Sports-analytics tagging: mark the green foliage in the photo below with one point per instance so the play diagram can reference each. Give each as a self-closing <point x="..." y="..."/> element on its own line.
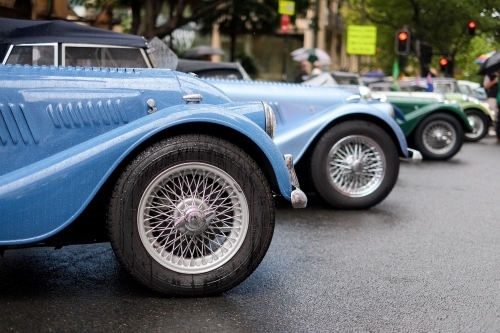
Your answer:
<point x="465" y="59"/>
<point x="250" y="16"/>
<point x="441" y="24"/>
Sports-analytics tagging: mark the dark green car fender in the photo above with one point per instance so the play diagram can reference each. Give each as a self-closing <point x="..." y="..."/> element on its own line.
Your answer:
<point x="414" y="118"/>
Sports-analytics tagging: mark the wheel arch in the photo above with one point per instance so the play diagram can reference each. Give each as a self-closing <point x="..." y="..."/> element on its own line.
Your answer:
<point x="350" y="117"/>
<point x="465" y="125"/>
<point x="217" y="130"/>
<point x="90" y="225"/>
<point x="480" y="110"/>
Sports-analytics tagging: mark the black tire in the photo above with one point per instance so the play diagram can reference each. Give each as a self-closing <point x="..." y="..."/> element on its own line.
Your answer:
<point x="375" y="171"/>
<point x="191" y="198"/>
<point x="438" y="136"/>
<point x="480" y="124"/>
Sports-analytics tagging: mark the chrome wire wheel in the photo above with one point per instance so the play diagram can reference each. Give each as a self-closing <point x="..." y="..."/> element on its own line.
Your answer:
<point x="356" y="165"/>
<point x="193" y="218"/>
<point x="477" y="124"/>
<point x="439" y="137"/>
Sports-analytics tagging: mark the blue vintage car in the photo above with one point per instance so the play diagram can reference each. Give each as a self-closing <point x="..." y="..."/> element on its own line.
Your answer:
<point x="178" y="178"/>
<point x="348" y="151"/>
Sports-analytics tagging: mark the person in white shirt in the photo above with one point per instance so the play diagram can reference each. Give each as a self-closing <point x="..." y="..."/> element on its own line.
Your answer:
<point x="318" y="68"/>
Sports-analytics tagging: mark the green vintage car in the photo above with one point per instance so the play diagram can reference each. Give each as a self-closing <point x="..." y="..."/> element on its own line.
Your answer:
<point x="478" y="113"/>
<point x="435" y="128"/>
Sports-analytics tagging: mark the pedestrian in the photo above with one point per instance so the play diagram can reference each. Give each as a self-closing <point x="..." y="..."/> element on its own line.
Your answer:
<point x="490" y="84"/>
<point x="317" y="68"/>
<point x="304" y="69"/>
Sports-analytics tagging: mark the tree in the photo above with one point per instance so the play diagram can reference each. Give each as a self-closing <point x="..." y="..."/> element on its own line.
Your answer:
<point x="235" y="17"/>
<point x="440" y="24"/>
<point x="250" y="16"/>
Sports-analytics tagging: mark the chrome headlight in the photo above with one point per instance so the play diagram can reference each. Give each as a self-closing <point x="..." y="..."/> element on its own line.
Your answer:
<point x="473" y="100"/>
<point x="270" y="120"/>
<point x="391" y="111"/>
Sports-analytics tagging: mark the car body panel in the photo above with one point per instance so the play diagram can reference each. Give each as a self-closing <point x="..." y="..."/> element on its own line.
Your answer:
<point x="447" y="88"/>
<point x="302" y="112"/>
<point x="61" y="150"/>
<point x="416" y="106"/>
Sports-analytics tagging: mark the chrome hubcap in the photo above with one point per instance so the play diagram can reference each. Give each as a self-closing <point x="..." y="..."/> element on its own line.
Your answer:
<point x="356" y="165"/>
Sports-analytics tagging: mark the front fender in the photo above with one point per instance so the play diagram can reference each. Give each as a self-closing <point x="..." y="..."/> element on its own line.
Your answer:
<point x="295" y="138"/>
<point x="414" y="118"/>
<point x="471" y="105"/>
<point x="39" y="200"/>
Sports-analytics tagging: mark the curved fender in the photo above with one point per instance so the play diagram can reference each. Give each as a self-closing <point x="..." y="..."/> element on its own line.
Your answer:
<point x="41" y="199"/>
<point x="296" y="138"/>
<point x="472" y="105"/>
<point x="414" y="118"/>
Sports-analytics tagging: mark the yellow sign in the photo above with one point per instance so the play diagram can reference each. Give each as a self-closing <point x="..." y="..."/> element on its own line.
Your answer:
<point x="361" y="39"/>
<point x="286" y="8"/>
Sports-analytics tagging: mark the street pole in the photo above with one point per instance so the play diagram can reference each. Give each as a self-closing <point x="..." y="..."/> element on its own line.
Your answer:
<point x="284" y="76"/>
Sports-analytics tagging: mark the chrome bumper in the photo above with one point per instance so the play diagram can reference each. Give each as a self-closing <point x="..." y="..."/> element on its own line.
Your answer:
<point x="299" y="198"/>
<point x="414" y="156"/>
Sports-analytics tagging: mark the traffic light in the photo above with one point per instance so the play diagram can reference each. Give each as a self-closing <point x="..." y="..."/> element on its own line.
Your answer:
<point x="472" y="28"/>
<point x="402" y="42"/>
<point x="443" y="63"/>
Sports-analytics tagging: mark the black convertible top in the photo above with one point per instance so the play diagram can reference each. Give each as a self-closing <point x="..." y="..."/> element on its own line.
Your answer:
<point x="14" y="31"/>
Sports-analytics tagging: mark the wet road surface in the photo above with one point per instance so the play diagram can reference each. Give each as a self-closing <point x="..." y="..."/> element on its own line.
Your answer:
<point x="424" y="260"/>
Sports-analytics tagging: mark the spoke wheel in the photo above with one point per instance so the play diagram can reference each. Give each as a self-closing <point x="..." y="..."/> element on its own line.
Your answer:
<point x="479" y="123"/>
<point x="191" y="216"/>
<point x="439" y="136"/>
<point x="192" y="219"/>
<point x="354" y="165"/>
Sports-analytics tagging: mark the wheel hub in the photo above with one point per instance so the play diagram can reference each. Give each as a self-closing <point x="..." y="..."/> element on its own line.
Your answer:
<point x="193" y="217"/>
<point x="355" y="165"/>
<point x="440" y="137"/>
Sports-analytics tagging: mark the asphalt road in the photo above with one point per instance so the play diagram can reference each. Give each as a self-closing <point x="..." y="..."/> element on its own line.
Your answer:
<point x="425" y="260"/>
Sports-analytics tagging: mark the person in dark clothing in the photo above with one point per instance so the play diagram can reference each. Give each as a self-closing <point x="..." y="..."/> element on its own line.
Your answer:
<point x="490" y="84"/>
<point x="304" y="70"/>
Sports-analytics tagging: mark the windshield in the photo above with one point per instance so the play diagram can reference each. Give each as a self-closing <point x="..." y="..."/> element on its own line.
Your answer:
<point x="160" y="54"/>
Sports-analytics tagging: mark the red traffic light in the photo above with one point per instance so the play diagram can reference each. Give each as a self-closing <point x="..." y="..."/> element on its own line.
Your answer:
<point x="402" y="42"/>
<point x="471" y="27"/>
<point x="402" y="36"/>
<point x="443" y="62"/>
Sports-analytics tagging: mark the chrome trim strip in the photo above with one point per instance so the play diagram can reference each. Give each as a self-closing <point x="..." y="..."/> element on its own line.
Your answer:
<point x="353" y="99"/>
<point x="8" y="54"/>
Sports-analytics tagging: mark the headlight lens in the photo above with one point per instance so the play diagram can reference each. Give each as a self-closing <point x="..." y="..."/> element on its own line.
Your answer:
<point x="391" y="112"/>
<point x="270" y="120"/>
<point x="473" y="100"/>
